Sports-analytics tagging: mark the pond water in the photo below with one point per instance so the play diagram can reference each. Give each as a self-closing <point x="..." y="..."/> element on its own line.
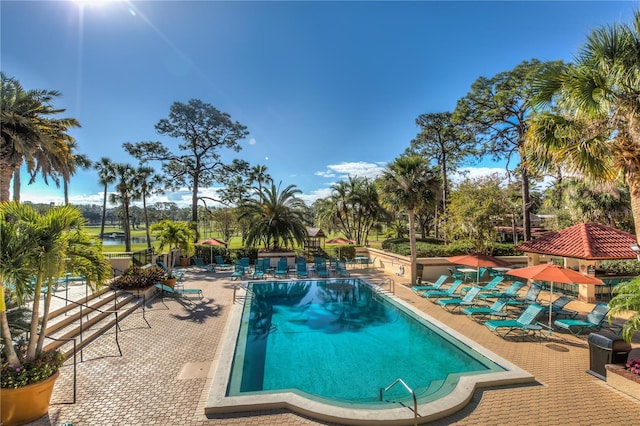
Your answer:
<point x="116" y="241"/>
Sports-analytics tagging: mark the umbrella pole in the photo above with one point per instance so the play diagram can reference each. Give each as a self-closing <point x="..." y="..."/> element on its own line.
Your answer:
<point x="550" y="303"/>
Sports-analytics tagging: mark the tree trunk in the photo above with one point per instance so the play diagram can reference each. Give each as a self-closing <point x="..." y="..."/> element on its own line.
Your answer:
<point x="16" y="185"/>
<point x="412" y="242"/>
<point x="146" y="219"/>
<point x="104" y="212"/>
<point x="634" y="189"/>
<point x="526" y="205"/>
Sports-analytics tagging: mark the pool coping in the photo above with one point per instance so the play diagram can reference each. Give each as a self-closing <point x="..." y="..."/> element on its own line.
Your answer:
<point x="218" y="403"/>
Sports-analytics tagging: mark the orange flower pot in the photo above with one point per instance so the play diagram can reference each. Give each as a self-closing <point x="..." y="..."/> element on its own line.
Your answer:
<point x="26" y="404"/>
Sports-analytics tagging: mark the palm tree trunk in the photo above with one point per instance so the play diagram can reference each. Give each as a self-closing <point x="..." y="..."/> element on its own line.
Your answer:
<point x="146" y="219"/>
<point x="16" y="185"/>
<point x="9" y="349"/>
<point x="634" y="189"/>
<point x="35" y="317"/>
<point x="412" y="243"/>
<point x="47" y="306"/>
<point x="104" y="212"/>
<point x="6" y="173"/>
<point x="526" y="205"/>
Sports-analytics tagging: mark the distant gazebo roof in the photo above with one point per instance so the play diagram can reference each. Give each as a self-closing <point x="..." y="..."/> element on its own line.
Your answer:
<point x="316" y="232"/>
<point x="589" y="241"/>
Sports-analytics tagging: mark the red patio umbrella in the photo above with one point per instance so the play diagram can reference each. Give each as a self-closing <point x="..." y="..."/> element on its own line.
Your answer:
<point x="339" y="240"/>
<point x="478" y="260"/>
<point x="213" y="242"/>
<point x="554" y="274"/>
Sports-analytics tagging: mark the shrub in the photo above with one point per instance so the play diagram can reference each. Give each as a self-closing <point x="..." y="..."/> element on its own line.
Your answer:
<point x="633" y="365"/>
<point x="44" y="365"/>
<point x="137" y="278"/>
<point x="621" y="267"/>
<point x="424" y="249"/>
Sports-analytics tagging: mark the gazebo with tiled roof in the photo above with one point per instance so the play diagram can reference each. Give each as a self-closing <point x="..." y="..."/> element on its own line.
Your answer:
<point x="581" y="246"/>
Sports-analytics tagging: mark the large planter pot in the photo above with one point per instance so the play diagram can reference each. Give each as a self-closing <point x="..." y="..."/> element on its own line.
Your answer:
<point x="184" y="261"/>
<point x="623" y="380"/>
<point x="170" y="282"/>
<point x="26" y="404"/>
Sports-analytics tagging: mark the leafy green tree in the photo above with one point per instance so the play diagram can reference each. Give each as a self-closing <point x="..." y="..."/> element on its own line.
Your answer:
<point x="30" y="134"/>
<point x="275" y="218"/>
<point x="225" y="221"/>
<point x="352" y="208"/>
<point x="498" y="111"/>
<point x="447" y="145"/>
<point x="197" y="162"/>
<point x="146" y="182"/>
<point x="174" y="235"/>
<point x="590" y="111"/>
<point x="626" y="300"/>
<point x="405" y="183"/>
<point x="107" y="175"/>
<point x="42" y="246"/>
<point x="126" y="192"/>
<point x="475" y="206"/>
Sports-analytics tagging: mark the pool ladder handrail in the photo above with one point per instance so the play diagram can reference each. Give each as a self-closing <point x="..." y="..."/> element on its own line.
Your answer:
<point x="245" y="288"/>
<point x="413" y="394"/>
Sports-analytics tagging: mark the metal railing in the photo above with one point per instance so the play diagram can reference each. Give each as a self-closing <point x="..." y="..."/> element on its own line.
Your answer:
<point x="413" y="394"/>
<point x="246" y="289"/>
<point x="81" y="305"/>
<point x="75" y="375"/>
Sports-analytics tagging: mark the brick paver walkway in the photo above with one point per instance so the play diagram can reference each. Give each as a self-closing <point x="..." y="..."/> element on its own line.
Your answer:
<point x="161" y="379"/>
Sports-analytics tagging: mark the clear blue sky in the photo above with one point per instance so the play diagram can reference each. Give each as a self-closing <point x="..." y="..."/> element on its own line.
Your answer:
<point x="325" y="88"/>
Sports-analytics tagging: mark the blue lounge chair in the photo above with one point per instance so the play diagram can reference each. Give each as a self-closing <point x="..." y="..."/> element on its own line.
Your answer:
<point x="321" y="268"/>
<point x="480" y="312"/>
<point x="450" y="292"/>
<point x="558" y="307"/>
<point x="341" y="269"/>
<point x="432" y="286"/>
<point x="593" y="321"/>
<point x="282" y="270"/>
<point x="301" y="269"/>
<point x="220" y="263"/>
<point x="453" y="304"/>
<point x="259" y="268"/>
<point x="530" y="297"/>
<point x="526" y="323"/>
<point x="165" y="289"/>
<point x="490" y="286"/>
<point x="510" y="292"/>
<point x="199" y="262"/>
<point x="238" y="272"/>
<point x="455" y="274"/>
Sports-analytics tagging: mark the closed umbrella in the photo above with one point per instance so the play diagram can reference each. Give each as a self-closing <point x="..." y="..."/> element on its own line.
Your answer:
<point x="478" y="260"/>
<point x="554" y="274"/>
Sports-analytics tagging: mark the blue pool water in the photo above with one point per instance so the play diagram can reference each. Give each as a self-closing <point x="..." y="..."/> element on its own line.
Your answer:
<point x="342" y="341"/>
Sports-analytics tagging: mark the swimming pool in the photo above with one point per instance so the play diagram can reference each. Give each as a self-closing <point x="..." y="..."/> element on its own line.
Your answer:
<point x="325" y="348"/>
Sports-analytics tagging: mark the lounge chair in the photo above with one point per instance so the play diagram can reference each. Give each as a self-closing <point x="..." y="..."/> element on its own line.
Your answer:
<point x="593" y="321"/>
<point x="530" y="297"/>
<point x="178" y="292"/>
<point x="301" y="269"/>
<point x="281" y="269"/>
<point x="341" y="269"/>
<point x="453" y="304"/>
<point x="456" y="274"/>
<point x="259" y="268"/>
<point x="510" y="292"/>
<point x="431" y="286"/>
<point x="199" y="262"/>
<point x="490" y="286"/>
<point x="479" y="312"/>
<point x="558" y="307"/>
<point x="526" y="323"/>
<point x="321" y="268"/>
<point x="450" y="292"/>
<point x="220" y="263"/>
<point x="238" y="272"/>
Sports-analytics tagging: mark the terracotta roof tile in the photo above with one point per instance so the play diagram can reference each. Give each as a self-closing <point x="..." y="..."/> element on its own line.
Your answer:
<point x="591" y="241"/>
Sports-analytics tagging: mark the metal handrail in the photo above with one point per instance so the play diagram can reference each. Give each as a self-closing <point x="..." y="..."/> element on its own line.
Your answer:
<point x="80" y="305"/>
<point x="413" y="394"/>
<point x="247" y="289"/>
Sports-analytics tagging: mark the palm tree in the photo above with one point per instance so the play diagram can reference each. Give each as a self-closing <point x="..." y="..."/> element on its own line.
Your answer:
<point x="626" y="300"/>
<point x="107" y="175"/>
<point x="591" y="118"/>
<point x="259" y="175"/>
<point x="29" y="134"/>
<point x="147" y="183"/>
<point x="43" y="246"/>
<point x="405" y="183"/>
<point x="125" y="185"/>
<point x="275" y="218"/>
<point x="174" y="235"/>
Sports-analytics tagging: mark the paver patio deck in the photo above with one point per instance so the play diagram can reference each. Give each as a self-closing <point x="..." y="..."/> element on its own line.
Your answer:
<point x="164" y="374"/>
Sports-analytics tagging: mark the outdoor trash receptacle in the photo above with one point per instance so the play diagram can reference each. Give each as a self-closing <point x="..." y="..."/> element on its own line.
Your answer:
<point x="606" y="347"/>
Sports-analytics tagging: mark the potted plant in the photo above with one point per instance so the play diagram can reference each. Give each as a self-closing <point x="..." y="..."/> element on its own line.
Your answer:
<point x="138" y="280"/>
<point x="35" y="250"/>
<point x="177" y="237"/>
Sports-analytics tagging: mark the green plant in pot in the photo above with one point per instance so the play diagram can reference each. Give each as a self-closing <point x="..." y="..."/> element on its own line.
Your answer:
<point x="176" y="237"/>
<point x="137" y="278"/>
<point x="36" y="249"/>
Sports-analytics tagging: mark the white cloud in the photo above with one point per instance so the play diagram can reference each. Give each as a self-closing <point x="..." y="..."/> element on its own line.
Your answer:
<point x="315" y="195"/>
<point x="354" y="169"/>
